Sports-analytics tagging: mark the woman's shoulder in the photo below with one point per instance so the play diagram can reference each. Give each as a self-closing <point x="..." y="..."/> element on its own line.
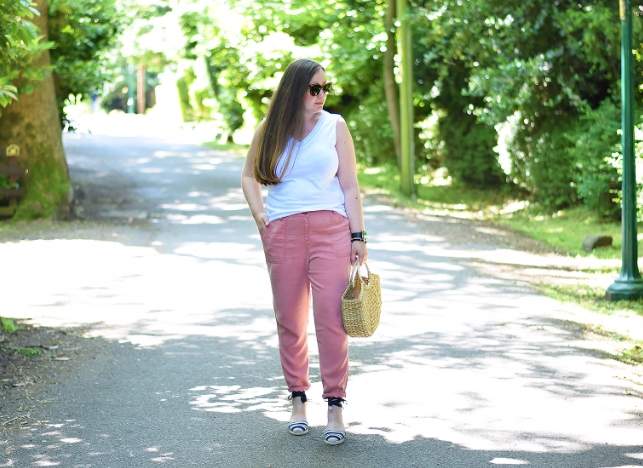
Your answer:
<point x="334" y="117"/>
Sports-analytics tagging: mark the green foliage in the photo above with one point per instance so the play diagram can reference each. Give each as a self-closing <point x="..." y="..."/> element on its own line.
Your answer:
<point x="183" y="87"/>
<point x="8" y="325"/>
<point x="567" y="229"/>
<point x="593" y="298"/>
<point x="467" y="145"/>
<point x="4" y="182"/>
<point x="231" y="109"/>
<point x="551" y="69"/>
<point x="371" y="130"/>
<point x="633" y="355"/>
<point x="79" y="33"/>
<point x="563" y="231"/>
<point x="116" y="94"/>
<point x="348" y="38"/>
<point x="28" y="351"/>
<point x="20" y="44"/>
<point x="532" y="56"/>
<point x="83" y="31"/>
<point x="545" y="63"/>
<point x="543" y="165"/>
<point x="595" y="151"/>
<point x="468" y="152"/>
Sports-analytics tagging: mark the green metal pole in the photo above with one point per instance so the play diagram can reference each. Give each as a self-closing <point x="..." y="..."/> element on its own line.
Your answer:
<point x="629" y="284"/>
<point x="406" y="100"/>
<point x="130" y="89"/>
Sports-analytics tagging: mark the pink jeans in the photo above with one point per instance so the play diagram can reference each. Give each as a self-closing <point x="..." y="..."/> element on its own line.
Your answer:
<point x="303" y="251"/>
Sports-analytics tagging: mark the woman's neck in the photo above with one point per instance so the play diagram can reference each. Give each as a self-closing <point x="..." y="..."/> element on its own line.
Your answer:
<point x="310" y="120"/>
<point x="312" y="117"/>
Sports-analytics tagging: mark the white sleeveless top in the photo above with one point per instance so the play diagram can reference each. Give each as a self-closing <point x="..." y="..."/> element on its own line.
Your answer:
<point x="310" y="182"/>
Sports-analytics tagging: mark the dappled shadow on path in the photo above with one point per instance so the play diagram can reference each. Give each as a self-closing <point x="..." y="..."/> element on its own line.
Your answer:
<point x="276" y="447"/>
<point x="215" y="396"/>
<point x="228" y="408"/>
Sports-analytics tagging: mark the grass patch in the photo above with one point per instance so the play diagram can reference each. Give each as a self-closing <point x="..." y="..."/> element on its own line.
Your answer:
<point x="447" y="199"/>
<point x="567" y="229"/>
<point x="9" y="227"/>
<point x="28" y="351"/>
<point x="384" y="180"/>
<point x="633" y="355"/>
<point x="592" y="298"/>
<point x="460" y="199"/>
<point x="231" y="147"/>
<point x="564" y="230"/>
<point x="8" y="325"/>
<point x="598" y="330"/>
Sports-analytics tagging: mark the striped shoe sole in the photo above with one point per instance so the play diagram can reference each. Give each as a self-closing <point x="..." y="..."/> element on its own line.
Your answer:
<point x="334" y="437"/>
<point x="298" y="428"/>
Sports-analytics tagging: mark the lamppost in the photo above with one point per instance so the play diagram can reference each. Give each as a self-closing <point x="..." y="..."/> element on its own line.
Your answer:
<point x="629" y="284"/>
<point x="130" y="89"/>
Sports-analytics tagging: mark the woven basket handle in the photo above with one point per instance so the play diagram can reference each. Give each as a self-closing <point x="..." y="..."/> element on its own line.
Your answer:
<point x="355" y="271"/>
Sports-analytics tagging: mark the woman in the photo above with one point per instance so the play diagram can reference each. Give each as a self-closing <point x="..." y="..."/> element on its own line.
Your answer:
<point x="312" y="228"/>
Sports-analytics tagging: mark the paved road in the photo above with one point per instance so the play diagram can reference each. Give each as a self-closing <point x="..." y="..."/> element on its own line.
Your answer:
<point x="466" y="370"/>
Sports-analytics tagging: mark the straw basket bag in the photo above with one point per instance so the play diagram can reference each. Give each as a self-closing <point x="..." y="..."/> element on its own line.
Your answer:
<point x="361" y="303"/>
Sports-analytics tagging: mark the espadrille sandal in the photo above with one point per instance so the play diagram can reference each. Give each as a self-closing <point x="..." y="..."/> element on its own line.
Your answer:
<point x="335" y="437"/>
<point x="298" y="428"/>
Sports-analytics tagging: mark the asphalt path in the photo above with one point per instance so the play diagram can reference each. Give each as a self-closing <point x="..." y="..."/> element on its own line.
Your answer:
<point x="466" y="370"/>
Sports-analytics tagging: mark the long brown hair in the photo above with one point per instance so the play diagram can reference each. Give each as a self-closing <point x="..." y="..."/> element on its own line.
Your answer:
<point x="285" y="119"/>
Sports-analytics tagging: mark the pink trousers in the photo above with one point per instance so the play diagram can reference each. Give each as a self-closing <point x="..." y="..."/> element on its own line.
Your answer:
<point x="304" y="251"/>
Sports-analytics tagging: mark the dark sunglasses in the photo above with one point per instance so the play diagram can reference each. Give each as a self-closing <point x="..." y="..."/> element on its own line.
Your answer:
<point x="316" y="88"/>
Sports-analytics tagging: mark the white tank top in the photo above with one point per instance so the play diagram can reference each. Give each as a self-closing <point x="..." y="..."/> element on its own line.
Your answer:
<point x="310" y="182"/>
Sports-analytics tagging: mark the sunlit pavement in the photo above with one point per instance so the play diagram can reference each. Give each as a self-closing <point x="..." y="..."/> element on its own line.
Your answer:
<point x="465" y="370"/>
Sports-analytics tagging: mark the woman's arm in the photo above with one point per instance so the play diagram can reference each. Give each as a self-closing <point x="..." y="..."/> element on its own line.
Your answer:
<point x="252" y="188"/>
<point x="347" y="174"/>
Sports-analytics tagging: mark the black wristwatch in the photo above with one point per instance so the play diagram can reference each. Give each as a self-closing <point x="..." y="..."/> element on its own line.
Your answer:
<point x="358" y="236"/>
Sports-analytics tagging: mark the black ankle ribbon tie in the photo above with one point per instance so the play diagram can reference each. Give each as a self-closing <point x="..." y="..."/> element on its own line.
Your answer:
<point x="336" y="401"/>
<point x="301" y="395"/>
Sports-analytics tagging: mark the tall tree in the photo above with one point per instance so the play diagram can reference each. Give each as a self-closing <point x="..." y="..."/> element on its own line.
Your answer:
<point x="404" y="47"/>
<point x="33" y="123"/>
<point x="82" y="30"/>
<point x="390" y="87"/>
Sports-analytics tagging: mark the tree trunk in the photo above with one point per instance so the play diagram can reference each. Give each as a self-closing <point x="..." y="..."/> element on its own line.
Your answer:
<point x="407" y="153"/>
<point x="33" y="124"/>
<point x="140" y="90"/>
<point x="390" y="87"/>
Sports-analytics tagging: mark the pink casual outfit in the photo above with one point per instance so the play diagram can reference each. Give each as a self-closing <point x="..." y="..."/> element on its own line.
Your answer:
<point x="307" y="246"/>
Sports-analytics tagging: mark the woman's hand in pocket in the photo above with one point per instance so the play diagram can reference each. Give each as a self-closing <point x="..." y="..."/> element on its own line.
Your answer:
<point x="262" y="222"/>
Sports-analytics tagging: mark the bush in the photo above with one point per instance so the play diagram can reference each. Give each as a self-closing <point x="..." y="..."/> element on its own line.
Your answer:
<point x="595" y="151"/>
<point x="542" y="163"/>
<point x="468" y="150"/>
<point x="371" y="130"/>
<point x="231" y="109"/>
<point x="460" y="142"/>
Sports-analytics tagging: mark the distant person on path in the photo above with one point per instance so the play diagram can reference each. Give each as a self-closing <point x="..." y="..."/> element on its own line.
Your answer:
<point x="312" y="228"/>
